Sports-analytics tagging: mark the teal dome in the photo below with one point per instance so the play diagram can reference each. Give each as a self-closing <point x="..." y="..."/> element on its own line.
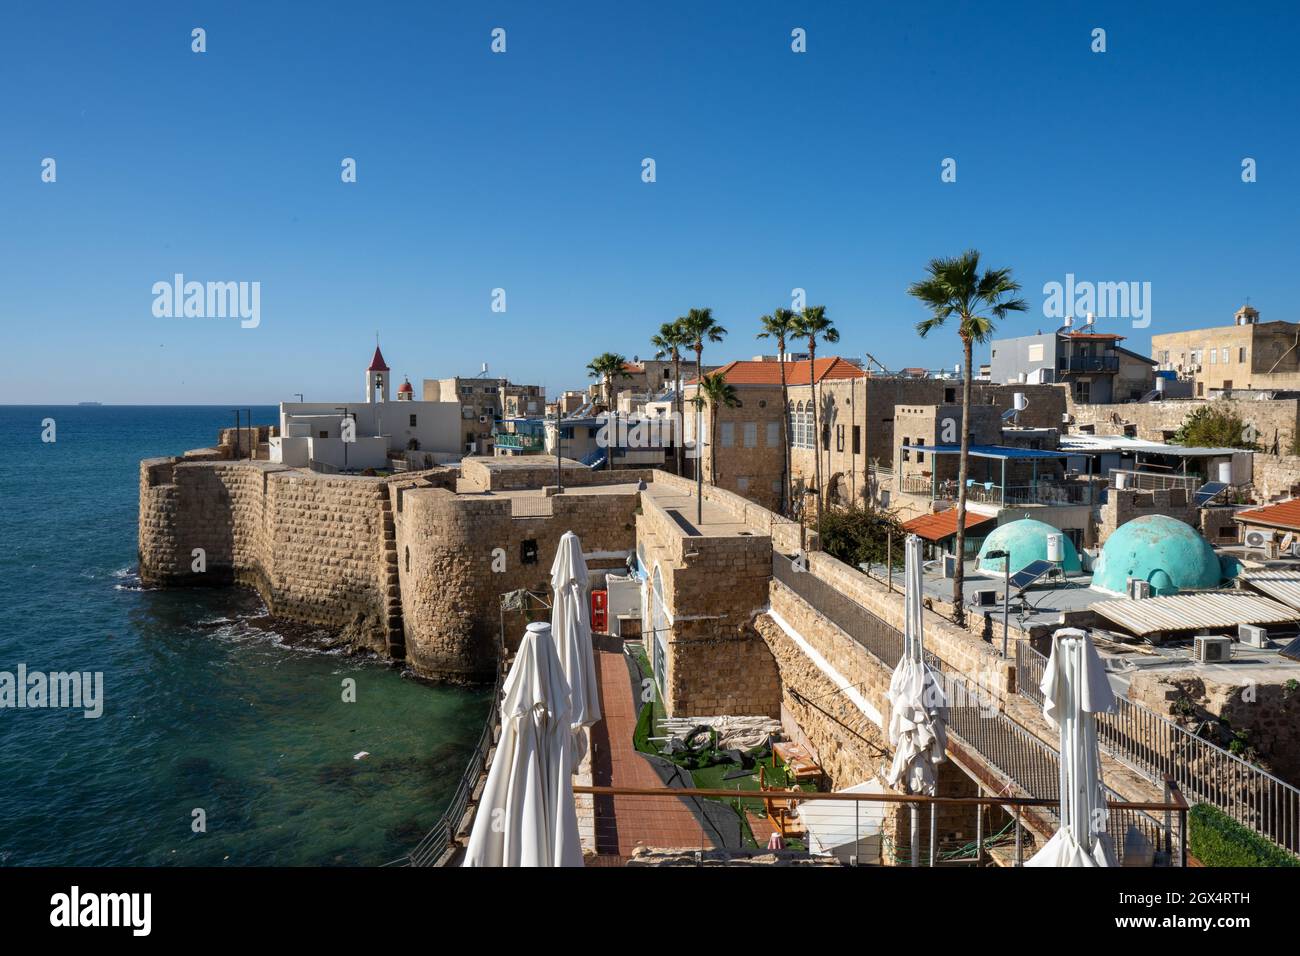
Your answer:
<point x="1026" y="540"/>
<point x="1160" y="549"/>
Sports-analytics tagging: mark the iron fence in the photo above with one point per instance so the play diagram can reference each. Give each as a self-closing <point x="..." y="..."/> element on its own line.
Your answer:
<point x="1025" y="762"/>
<point x="1159" y="749"/>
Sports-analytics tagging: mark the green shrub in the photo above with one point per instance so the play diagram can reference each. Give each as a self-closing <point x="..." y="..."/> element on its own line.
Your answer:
<point x="860" y="534"/>
<point x="1216" y="839"/>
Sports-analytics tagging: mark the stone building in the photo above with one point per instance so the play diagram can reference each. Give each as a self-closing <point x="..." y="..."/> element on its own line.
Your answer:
<point x="1249" y="354"/>
<point x="483" y="402"/>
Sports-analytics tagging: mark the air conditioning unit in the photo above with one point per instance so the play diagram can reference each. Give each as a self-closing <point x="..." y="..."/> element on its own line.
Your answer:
<point x="1138" y="589"/>
<point x="1252" y="634"/>
<point x="1258" y="540"/>
<point x="986" y="598"/>
<point x="1209" y="650"/>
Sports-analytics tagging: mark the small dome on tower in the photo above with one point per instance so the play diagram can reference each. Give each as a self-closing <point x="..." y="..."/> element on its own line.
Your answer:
<point x="1247" y="315"/>
<point x="404" y="391"/>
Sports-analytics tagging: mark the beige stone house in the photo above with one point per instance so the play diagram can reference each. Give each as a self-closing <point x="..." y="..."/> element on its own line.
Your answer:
<point x="1249" y="354"/>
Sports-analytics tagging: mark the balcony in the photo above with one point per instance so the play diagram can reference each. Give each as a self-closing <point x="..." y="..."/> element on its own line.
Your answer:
<point x="1043" y="492"/>
<point x="523" y="443"/>
<point x="1089" y="363"/>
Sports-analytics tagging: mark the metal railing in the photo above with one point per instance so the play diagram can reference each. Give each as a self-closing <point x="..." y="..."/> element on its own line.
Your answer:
<point x="1154" y="480"/>
<point x="1159" y="749"/>
<point x="682" y="815"/>
<point x="1089" y="363"/>
<point x="525" y="442"/>
<point x="1021" y="758"/>
<point x="436" y="843"/>
<point x="1042" y="492"/>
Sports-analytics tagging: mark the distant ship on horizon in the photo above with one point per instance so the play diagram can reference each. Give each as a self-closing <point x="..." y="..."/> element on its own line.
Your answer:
<point x="90" y="403"/>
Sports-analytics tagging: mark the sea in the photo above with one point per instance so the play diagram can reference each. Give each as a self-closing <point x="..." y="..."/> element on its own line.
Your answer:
<point x="226" y="738"/>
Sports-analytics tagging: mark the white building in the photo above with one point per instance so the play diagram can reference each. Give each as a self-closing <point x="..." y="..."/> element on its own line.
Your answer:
<point x="339" y="435"/>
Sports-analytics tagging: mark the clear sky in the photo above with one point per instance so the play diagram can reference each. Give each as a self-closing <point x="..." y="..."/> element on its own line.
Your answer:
<point x="522" y="171"/>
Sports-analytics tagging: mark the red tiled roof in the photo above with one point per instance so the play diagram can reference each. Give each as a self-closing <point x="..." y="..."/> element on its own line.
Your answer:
<point x="405" y="387"/>
<point x="796" y="373"/>
<point x="633" y="367"/>
<point x="1284" y="514"/>
<point x="936" y="527"/>
<point x="377" y="363"/>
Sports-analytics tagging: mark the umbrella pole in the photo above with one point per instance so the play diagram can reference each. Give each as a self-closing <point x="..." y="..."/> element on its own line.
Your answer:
<point x="916" y="835"/>
<point x="934" y="835"/>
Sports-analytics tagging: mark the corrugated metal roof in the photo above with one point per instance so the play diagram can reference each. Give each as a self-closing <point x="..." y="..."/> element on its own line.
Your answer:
<point x="1282" y="586"/>
<point x="1083" y="444"/>
<point x="1192" y="612"/>
<point x="991" y="451"/>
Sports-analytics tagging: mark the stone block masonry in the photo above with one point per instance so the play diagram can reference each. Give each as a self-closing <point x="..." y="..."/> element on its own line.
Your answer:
<point x="400" y="566"/>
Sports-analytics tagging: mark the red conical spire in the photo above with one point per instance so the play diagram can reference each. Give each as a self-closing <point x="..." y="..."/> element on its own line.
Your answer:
<point x="377" y="363"/>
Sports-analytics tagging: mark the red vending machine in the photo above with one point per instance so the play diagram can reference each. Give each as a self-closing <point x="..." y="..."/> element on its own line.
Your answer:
<point x="600" y="612"/>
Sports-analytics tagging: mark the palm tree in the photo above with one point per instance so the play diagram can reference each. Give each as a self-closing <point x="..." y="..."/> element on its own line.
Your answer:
<point x="698" y="326"/>
<point x="809" y="324"/>
<point x="606" y="367"/>
<point x="670" y="341"/>
<point x="780" y="325"/>
<point x="717" y="393"/>
<point x="955" y="288"/>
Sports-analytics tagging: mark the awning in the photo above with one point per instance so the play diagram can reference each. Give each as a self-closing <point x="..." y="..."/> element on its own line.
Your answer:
<point x="937" y="527"/>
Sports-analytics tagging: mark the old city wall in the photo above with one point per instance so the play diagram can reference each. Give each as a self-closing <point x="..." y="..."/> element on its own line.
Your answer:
<point x="712" y="588"/>
<point x="311" y="546"/>
<point x="457" y="554"/>
<point x="1275" y="421"/>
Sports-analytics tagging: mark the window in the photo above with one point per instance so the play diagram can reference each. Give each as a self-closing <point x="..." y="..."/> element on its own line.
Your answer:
<point x="1082" y="391"/>
<point x="1225" y="355"/>
<point x="920" y="458"/>
<point x="1227" y="384"/>
<point x="324" y="434"/>
<point x="1036" y="352"/>
<point x="907" y="455"/>
<point x="839" y="437"/>
<point x="826" y="437"/>
<point x="949" y="396"/>
<point x="728" y="430"/>
<point x="857" y="439"/>
<point x="1241" y="354"/>
<point x="412" y="421"/>
<point x="528" y="551"/>
<point x="1214" y="356"/>
<point x="751" y="434"/>
<point x="773" y="434"/>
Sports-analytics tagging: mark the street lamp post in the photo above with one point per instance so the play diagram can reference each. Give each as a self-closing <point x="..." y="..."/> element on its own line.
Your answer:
<point x="1006" y="593"/>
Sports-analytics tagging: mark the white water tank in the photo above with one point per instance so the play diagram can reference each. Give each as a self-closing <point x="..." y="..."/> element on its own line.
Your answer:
<point x="1161" y="384"/>
<point x="1020" y="402"/>
<point x="1225" y="472"/>
<point x="1121" y="479"/>
<point x="1055" y="548"/>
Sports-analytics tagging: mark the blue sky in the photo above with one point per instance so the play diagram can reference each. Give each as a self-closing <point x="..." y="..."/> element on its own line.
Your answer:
<point x="522" y="171"/>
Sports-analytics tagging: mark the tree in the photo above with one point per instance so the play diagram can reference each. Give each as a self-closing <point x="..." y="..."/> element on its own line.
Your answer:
<point x="809" y="324"/>
<point x="780" y="325"/>
<point x="1212" y="426"/>
<point x="860" y="533"/>
<point x="699" y="326"/>
<point x="606" y="367"/>
<point x="717" y="393"/>
<point x="670" y="341"/>
<point x="956" y="289"/>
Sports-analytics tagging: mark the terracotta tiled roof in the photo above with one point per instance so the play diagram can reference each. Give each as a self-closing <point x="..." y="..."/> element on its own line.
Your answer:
<point x="936" y="527"/>
<point x="377" y="363"/>
<point x="796" y="373"/>
<point x="1284" y="514"/>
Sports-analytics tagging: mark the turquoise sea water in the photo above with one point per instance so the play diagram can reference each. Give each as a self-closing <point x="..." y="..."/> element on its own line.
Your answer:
<point x="206" y="704"/>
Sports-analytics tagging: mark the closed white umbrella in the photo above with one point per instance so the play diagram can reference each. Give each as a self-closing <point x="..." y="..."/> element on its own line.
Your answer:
<point x="526" y="816"/>
<point x="918" y="705"/>
<point x="1075" y="688"/>
<point x="571" y="627"/>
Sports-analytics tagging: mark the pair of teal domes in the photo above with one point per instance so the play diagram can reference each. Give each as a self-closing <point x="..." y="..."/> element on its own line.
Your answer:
<point x="1164" y="551"/>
